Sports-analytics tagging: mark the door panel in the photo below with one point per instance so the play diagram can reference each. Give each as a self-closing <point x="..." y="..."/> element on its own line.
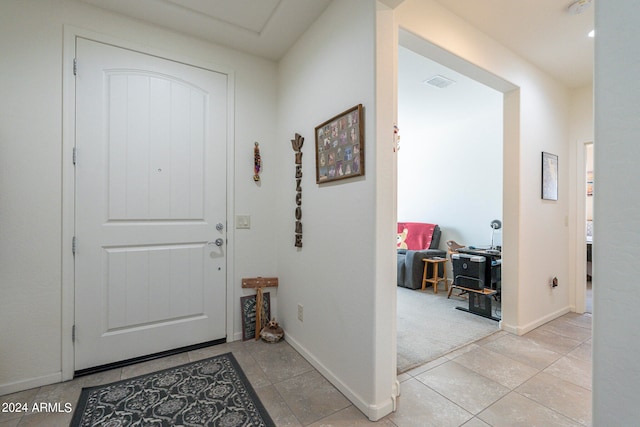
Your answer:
<point x="150" y="187"/>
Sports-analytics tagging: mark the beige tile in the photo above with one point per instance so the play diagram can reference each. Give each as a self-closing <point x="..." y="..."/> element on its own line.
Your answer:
<point x="524" y="350"/>
<point x="574" y="370"/>
<point x="11" y="423"/>
<point x="350" y="417"/>
<point x="207" y="352"/>
<point x="424" y="368"/>
<point x="583" y="320"/>
<point x="515" y="410"/>
<point x="552" y="341"/>
<point x="311" y="397"/>
<point x="582" y="352"/>
<point x="251" y="369"/>
<point x="559" y="395"/>
<point x="154" y="365"/>
<point x="562" y="327"/>
<point x="280" y="361"/>
<point x="21" y="398"/>
<point x="62" y="393"/>
<point x="46" y="420"/>
<point x="403" y="377"/>
<point x="421" y="406"/>
<point x="501" y="369"/>
<point x="463" y="387"/>
<point x="277" y="408"/>
<point x="475" y="422"/>
<point x="462" y="350"/>
<point x="491" y="338"/>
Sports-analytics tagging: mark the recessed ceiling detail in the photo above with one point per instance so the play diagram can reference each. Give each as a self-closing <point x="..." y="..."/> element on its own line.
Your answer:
<point x="251" y="15"/>
<point x="266" y="28"/>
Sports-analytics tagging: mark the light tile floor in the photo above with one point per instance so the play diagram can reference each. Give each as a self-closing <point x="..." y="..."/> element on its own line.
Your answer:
<point x="540" y="379"/>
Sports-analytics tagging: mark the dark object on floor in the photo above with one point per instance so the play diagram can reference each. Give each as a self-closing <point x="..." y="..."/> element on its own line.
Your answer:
<point x="209" y="392"/>
<point x="272" y="333"/>
<point x="470" y="276"/>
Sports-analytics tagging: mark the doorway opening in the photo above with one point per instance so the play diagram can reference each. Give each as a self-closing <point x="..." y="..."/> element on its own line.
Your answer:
<point x="588" y="173"/>
<point x="450" y="170"/>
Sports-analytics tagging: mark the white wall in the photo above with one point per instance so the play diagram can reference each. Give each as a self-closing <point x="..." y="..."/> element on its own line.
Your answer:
<point x="536" y="238"/>
<point x="450" y="161"/>
<point x="616" y="338"/>
<point x="329" y="70"/>
<point x="31" y="46"/>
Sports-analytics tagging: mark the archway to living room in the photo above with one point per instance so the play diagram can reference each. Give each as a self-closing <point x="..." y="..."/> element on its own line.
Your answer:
<point x="450" y="173"/>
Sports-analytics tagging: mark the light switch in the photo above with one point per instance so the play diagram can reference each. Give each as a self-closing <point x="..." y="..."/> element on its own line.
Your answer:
<point x="243" y="221"/>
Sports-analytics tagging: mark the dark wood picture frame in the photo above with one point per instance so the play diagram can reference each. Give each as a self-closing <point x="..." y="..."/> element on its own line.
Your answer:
<point x="340" y="146"/>
<point x="549" y="176"/>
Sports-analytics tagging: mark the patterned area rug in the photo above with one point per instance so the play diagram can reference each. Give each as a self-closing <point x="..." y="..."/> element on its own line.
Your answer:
<point x="210" y="392"/>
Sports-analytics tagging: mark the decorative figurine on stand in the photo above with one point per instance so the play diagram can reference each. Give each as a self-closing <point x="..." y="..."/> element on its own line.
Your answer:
<point x="272" y="333"/>
<point x="257" y="162"/>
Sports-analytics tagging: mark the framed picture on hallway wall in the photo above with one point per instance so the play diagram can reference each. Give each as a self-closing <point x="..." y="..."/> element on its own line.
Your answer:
<point x="549" y="176"/>
<point x="340" y="146"/>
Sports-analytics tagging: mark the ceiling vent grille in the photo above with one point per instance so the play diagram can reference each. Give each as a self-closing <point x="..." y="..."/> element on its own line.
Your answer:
<point x="439" y="81"/>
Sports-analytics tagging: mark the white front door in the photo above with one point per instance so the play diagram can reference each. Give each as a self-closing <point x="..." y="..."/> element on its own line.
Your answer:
<point x="150" y="204"/>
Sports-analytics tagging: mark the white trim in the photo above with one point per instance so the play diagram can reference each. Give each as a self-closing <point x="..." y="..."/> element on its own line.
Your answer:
<point x="231" y="272"/>
<point x="580" y="291"/>
<point x="68" y="201"/>
<point x="521" y="330"/>
<point x="373" y="411"/>
<point x="30" y="383"/>
<point x="71" y="33"/>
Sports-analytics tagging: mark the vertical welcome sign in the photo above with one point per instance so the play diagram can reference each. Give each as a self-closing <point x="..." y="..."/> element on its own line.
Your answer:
<point x="297" y="146"/>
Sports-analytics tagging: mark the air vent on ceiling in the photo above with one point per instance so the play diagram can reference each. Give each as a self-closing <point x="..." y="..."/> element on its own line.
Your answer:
<point x="439" y="81"/>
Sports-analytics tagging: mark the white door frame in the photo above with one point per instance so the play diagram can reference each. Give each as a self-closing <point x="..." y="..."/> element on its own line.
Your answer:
<point x="580" y="268"/>
<point x="68" y="177"/>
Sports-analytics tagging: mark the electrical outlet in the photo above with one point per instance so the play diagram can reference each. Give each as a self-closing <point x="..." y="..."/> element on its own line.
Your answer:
<point x="300" y="312"/>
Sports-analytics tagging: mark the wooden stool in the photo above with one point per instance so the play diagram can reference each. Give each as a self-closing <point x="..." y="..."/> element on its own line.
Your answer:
<point x="434" y="279"/>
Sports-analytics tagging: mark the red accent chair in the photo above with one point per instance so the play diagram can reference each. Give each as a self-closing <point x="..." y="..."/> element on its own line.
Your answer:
<point x="416" y="240"/>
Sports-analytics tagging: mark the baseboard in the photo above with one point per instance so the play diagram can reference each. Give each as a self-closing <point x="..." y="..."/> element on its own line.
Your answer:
<point x="521" y="330"/>
<point x="373" y="411"/>
<point x="22" y="385"/>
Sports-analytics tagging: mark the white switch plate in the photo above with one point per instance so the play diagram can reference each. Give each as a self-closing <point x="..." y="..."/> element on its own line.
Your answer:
<point x="243" y="221"/>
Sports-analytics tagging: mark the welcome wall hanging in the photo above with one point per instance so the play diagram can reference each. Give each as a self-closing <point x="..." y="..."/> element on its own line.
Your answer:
<point x="296" y="144"/>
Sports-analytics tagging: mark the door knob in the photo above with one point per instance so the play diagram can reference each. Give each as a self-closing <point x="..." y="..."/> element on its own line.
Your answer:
<point x="219" y="241"/>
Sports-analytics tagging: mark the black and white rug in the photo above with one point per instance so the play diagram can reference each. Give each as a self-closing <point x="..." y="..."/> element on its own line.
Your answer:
<point x="210" y="392"/>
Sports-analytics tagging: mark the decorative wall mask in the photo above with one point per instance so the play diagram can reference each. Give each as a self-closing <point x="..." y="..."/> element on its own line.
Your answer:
<point x="257" y="162"/>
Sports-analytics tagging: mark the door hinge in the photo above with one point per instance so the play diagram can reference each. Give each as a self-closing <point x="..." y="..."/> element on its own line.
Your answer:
<point x="73" y="333"/>
<point x="75" y="67"/>
<point x="73" y="245"/>
<point x="75" y="155"/>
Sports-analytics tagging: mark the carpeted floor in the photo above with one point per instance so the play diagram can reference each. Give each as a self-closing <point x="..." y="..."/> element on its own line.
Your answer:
<point x="429" y="326"/>
<point x="210" y="392"/>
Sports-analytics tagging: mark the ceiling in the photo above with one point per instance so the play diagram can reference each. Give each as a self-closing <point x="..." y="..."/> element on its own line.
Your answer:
<point x="541" y="31"/>
<point x="267" y="28"/>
